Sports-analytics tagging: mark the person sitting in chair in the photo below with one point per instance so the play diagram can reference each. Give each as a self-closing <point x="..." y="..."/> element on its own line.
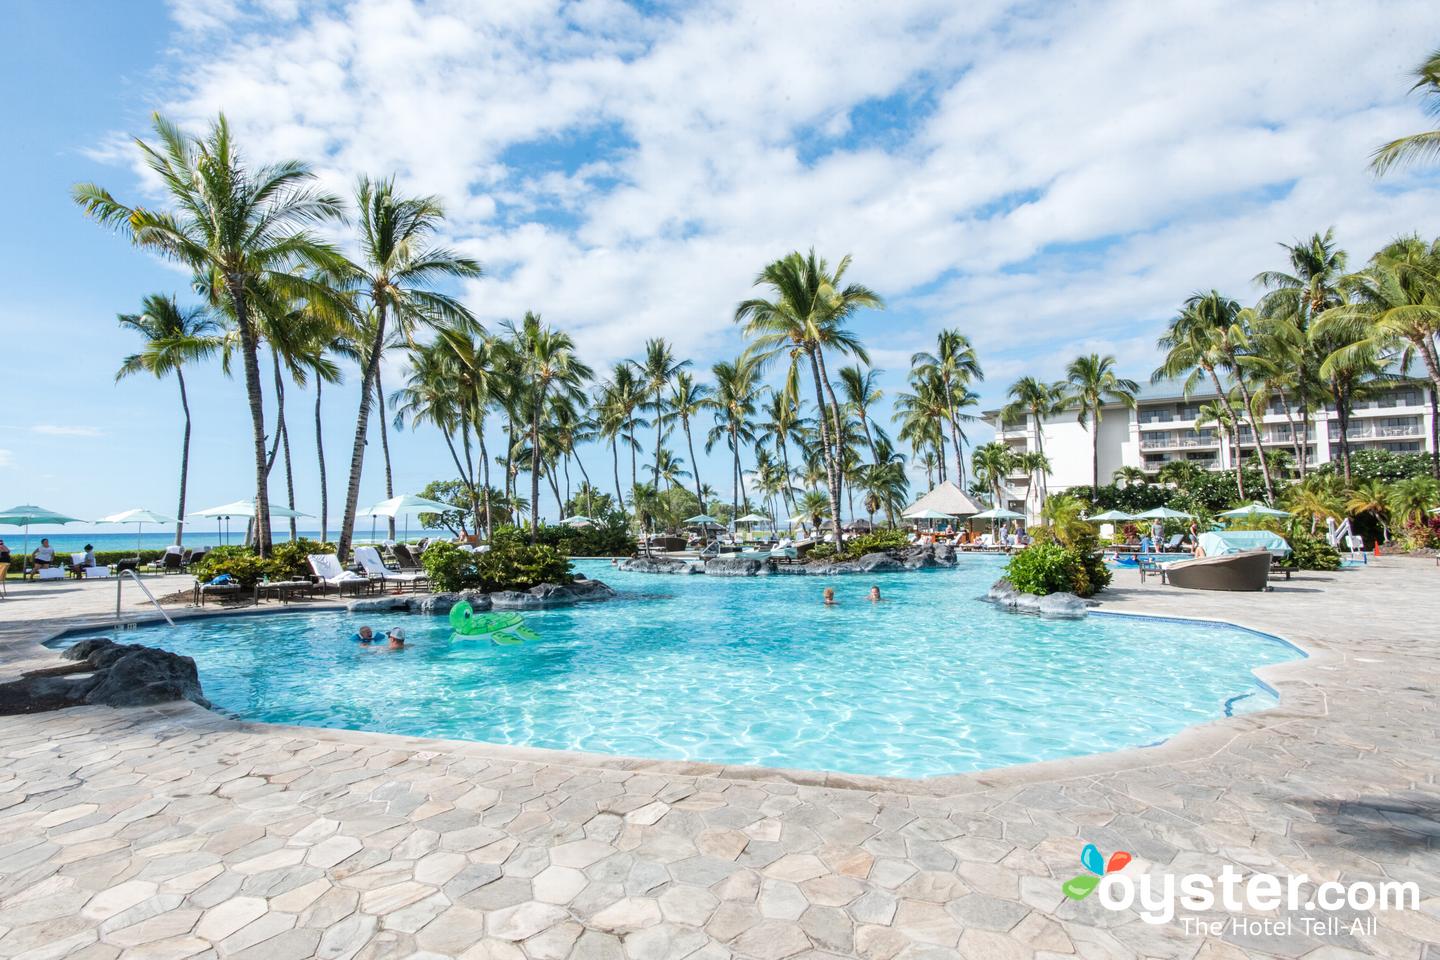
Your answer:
<point x="43" y="557"/>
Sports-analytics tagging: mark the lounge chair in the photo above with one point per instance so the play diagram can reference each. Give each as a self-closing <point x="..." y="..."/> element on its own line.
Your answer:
<point x="406" y="558"/>
<point x="330" y="575"/>
<point x="1172" y="544"/>
<point x="369" y="558"/>
<point x="1249" y="570"/>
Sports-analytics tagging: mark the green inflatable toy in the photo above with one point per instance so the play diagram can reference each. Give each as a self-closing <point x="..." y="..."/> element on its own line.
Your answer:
<point x="502" y="628"/>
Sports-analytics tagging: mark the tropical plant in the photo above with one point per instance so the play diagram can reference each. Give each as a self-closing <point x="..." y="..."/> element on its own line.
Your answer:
<point x="242" y="231"/>
<point x="736" y="386"/>
<point x="1131" y="476"/>
<point x="656" y="372"/>
<point x="954" y="366"/>
<point x="174" y="337"/>
<point x="992" y="462"/>
<point x="804" y="317"/>
<point x="1371" y="497"/>
<point x="1317" y="498"/>
<point x="1411" y="500"/>
<point x="1093" y="384"/>
<point x="399" y="265"/>
<point x="509" y="564"/>
<point x="1036" y="399"/>
<point x="1416" y="146"/>
<point x="548" y="361"/>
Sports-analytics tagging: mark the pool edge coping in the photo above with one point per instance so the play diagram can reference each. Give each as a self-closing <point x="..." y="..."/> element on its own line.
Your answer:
<point x="1299" y="699"/>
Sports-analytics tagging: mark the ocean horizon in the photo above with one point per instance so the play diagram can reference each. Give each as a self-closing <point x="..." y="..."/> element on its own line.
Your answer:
<point x="14" y="538"/>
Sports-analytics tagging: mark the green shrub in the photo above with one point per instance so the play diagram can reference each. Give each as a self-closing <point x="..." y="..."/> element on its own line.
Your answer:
<point x="1309" y="552"/>
<point x="241" y="563"/>
<point x="876" y="542"/>
<point x="1045" y="568"/>
<point x="287" y="561"/>
<point x="507" y="565"/>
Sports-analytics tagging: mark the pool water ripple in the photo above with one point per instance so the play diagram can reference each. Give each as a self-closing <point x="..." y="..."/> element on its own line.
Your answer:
<point x="753" y="671"/>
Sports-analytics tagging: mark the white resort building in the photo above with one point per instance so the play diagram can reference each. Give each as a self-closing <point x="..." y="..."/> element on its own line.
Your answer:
<point x="1163" y="427"/>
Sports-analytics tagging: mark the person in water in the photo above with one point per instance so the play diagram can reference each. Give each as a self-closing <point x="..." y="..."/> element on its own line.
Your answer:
<point x="397" y="639"/>
<point x="363" y="635"/>
<point x="829" y="596"/>
<point x="875" y="595"/>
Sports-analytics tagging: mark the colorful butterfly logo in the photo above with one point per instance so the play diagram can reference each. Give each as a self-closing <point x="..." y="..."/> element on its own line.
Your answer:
<point x="1078" y="888"/>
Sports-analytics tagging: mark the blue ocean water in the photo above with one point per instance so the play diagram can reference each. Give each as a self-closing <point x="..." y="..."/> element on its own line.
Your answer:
<point x="196" y="535"/>
<point x="753" y="671"/>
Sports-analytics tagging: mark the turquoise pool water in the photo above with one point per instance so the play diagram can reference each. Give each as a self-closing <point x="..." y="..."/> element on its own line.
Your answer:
<point x="753" y="671"/>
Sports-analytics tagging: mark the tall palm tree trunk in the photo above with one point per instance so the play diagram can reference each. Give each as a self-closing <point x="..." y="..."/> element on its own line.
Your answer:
<point x="485" y="478"/>
<point x="1224" y="401"/>
<point x="787" y="496"/>
<point x="249" y="349"/>
<point x="837" y="432"/>
<point x="535" y="465"/>
<point x="690" y="445"/>
<point x="615" y="462"/>
<point x="831" y="468"/>
<point x="735" y="490"/>
<point x="1259" y="438"/>
<point x="955" y="435"/>
<point x="362" y="426"/>
<point x="320" y="456"/>
<point x="385" y="448"/>
<point x="184" y="458"/>
<point x="463" y="466"/>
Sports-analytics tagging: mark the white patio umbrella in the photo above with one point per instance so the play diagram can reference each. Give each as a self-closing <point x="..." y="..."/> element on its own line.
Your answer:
<point x="139" y="517"/>
<point x="998" y="513"/>
<point x="1257" y="509"/>
<point x="242" y="508"/>
<point x="1111" y="516"/>
<point x="579" y="520"/>
<point x="406" y="503"/>
<point x="751" y="518"/>
<point x="1164" y="513"/>
<point x="27" y="514"/>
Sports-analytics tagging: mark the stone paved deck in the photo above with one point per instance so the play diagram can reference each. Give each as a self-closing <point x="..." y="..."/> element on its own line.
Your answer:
<point x="175" y="832"/>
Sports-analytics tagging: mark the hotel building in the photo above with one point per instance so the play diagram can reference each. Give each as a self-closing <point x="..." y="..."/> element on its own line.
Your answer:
<point x="1163" y="428"/>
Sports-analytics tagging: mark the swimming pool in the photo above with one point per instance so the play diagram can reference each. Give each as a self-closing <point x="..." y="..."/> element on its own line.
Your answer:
<point x="752" y="671"/>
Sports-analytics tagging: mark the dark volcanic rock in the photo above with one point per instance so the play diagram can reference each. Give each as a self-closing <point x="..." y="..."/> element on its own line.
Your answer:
<point x="585" y="590"/>
<point x="1066" y="606"/>
<point x="656" y="565"/>
<point x="121" y="675"/>
<point x="732" y="566"/>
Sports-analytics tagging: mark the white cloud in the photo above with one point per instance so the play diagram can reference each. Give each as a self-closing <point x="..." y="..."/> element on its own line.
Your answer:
<point x="1063" y="182"/>
<point x="57" y="430"/>
<point x="7" y="459"/>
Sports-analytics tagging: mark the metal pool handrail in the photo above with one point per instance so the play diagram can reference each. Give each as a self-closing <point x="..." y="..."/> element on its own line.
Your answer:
<point x="120" y="582"/>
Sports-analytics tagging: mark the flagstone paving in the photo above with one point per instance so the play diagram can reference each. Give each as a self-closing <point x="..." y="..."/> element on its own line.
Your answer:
<point x="176" y="832"/>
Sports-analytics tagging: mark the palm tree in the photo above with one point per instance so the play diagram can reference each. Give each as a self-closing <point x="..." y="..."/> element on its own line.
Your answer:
<point x="174" y="336"/>
<point x="1128" y="476"/>
<point x="1317" y="497"/>
<point x="549" y="362"/>
<point x="1411" y="499"/>
<point x="1371" y="497"/>
<point x="921" y="413"/>
<point x="656" y="371"/>
<point x="1205" y="337"/>
<point x="1417" y="146"/>
<point x="862" y="391"/>
<point x="992" y="462"/>
<point x="399" y="263"/>
<point x="1037" y="465"/>
<point x="687" y="400"/>
<point x="782" y="422"/>
<point x="1290" y="307"/>
<point x="736" y="384"/>
<point x="815" y="505"/>
<point x="1092" y="385"/>
<point x="955" y="365"/>
<point x="805" y="317"/>
<point x="886" y="488"/>
<point x="1224" y="419"/>
<point x="1034" y="398"/>
<point x="618" y="400"/>
<point x="242" y="231"/>
<point x="477" y="375"/>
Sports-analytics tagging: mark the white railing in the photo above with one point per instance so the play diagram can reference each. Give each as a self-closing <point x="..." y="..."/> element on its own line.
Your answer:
<point x="120" y="582"/>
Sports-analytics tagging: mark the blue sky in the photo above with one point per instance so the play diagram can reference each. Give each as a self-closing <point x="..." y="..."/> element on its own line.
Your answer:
<point x="1050" y="180"/>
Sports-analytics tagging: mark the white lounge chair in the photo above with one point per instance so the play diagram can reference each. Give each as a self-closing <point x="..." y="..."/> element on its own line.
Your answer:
<point x="369" y="558"/>
<point x="330" y="574"/>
